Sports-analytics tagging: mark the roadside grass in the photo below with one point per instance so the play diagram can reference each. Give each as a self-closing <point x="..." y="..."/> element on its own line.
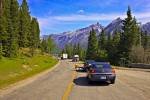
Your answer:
<point x="16" y="69"/>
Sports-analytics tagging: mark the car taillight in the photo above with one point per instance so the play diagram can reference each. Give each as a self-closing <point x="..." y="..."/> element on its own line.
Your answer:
<point x="92" y="71"/>
<point x="113" y="71"/>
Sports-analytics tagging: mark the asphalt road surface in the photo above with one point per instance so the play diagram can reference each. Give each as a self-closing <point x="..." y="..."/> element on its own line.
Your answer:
<point x="64" y="81"/>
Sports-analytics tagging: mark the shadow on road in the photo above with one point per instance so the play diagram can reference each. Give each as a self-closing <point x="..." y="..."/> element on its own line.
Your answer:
<point x="83" y="81"/>
<point x="81" y="71"/>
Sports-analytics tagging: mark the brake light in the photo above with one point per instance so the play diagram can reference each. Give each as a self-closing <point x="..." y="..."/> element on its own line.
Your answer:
<point x="93" y="71"/>
<point x="113" y="71"/>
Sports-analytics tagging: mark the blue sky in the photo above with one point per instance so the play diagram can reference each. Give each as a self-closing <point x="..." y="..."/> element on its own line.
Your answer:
<point x="57" y="16"/>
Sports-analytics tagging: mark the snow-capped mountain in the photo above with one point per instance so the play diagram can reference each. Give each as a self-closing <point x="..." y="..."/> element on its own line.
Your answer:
<point x="78" y="36"/>
<point x="81" y="35"/>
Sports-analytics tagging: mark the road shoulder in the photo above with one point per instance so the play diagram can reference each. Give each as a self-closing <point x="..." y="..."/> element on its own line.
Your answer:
<point x="27" y="81"/>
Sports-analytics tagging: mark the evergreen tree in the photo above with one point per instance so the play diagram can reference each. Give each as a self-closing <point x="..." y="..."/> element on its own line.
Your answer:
<point x="1" y="27"/>
<point x="15" y="27"/>
<point x="102" y="40"/>
<point x="50" y="45"/>
<point x="109" y="46"/>
<point x="25" y="20"/>
<point x="43" y="46"/>
<point x="38" y="33"/>
<point x="129" y="37"/>
<point x="92" y="46"/>
<point x="145" y="39"/>
<point x="112" y="48"/>
<point x="6" y="27"/>
<point x="33" y="33"/>
<point x="75" y="49"/>
<point x="14" y="15"/>
<point x="102" y="46"/>
<point x="81" y="52"/>
<point x="69" y="49"/>
<point x="34" y="36"/>
<point x="135" y="33"/>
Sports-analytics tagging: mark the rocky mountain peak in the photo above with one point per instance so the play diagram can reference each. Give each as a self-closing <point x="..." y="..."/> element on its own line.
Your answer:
<point x="81" y="35"/>
<point x="115" y="25"/>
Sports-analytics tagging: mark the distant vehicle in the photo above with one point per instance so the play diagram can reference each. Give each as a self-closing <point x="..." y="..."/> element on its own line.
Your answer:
<point x="87" y="64"/>
<point x="64" y="56"/>
<point x="75" y="58"/>
<point x="101" y="71"/>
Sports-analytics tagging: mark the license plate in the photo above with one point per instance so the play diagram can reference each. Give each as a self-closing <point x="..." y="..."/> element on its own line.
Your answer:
<point x="103" y="77"/>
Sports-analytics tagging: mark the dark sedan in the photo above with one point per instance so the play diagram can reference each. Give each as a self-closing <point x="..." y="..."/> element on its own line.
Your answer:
<point x="87" y="64"/>
<point x="101" y="71"/>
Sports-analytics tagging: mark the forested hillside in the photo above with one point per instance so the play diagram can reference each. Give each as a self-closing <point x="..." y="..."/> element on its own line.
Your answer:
<point x="18" y="29"/>
<point x="129" y="46"/>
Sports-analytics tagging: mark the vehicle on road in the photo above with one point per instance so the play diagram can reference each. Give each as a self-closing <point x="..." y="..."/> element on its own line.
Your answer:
<point x="87" y="64"/>
<point x="101" y="71"/>
<point x="64" y="56"/>
<point x="75" y="58"/>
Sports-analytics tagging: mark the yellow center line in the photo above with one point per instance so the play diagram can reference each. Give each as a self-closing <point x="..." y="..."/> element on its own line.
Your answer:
<point x="69" y="87"/>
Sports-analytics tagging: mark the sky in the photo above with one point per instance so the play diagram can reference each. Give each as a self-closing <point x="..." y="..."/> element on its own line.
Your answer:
<point x="56" y="16"/>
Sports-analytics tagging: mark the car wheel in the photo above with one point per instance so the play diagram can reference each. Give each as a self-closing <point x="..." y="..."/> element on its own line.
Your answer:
<point x="112" y="81"/>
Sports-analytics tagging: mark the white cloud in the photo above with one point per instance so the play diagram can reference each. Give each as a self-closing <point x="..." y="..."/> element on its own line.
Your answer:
<point x="89" y="17"/>
<point x="81" y="11"/>
<point x="52" y="22"/>
<point x="143" y="17"/>
<point x="100" y="17"/>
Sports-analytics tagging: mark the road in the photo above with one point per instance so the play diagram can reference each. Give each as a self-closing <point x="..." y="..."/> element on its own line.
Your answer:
<point x="62" y="81"/>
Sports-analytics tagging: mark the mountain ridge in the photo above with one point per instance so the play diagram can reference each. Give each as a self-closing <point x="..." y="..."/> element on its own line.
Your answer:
<point x="81" y="35"/>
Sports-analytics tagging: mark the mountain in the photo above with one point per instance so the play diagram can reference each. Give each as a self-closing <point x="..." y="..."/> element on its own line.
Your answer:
<point x="146" y="27"/>
<point x="81" y="35"/>
<point x="115" y="25"/>
<point x="78" y="36"/>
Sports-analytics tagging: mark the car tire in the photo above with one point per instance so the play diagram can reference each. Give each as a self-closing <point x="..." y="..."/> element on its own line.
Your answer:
<point x="112" y="82"/>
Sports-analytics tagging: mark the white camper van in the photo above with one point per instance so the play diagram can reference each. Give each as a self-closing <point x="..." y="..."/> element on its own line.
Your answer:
<point x="64" y="56"/>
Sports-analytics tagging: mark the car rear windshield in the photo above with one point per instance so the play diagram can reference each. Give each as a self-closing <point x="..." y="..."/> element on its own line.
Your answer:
<point x="104" y="66"/>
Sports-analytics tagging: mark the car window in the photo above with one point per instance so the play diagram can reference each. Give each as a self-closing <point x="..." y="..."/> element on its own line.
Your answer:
<point x="105" y="66"/>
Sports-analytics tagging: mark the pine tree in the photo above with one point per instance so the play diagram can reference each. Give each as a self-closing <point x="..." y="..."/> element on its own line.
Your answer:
<point x="14" y="15"/>
<point x="1" y="27"/>
<point x="129" y="37"/>
<point x="70" y="50"/>
<point x="108" y="47"/>
<point x="25" y="20"/>
<point x="102" y="40"/>
<point x="79" y="51"/>
<point x="92" y="46"/>
<point x="75" y="49"/>
<point x="50" y="45"/>
<point x="135" y="33"/>
<point x="15" y="27"/>
<point x="38" y="33"/>
<point x="43" y="46"/>
<point x="145" y="39"/>
<point x="34" y="36"/>
<point x="32" y="43"/>
<point x="6" y="28"/>
<point x="112" y="48"/>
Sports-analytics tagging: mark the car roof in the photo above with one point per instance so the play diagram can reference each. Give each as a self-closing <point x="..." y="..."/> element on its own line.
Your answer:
<point x="104" y="63"/>
<point x="90" y="61"/>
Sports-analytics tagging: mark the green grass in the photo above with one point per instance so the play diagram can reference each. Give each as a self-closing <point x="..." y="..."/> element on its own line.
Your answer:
<point x="13" y="70"/>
